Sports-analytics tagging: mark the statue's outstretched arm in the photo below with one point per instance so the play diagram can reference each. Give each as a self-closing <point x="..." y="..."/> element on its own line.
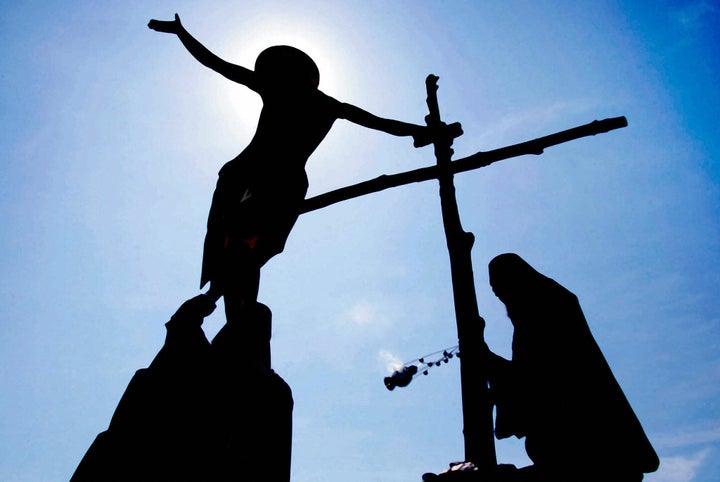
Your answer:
<point x="420" y="134"/>
<point x="236" y="73"/>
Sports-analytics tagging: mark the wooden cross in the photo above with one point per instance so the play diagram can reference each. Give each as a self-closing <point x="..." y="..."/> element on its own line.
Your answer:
<point x="477" y="406"/>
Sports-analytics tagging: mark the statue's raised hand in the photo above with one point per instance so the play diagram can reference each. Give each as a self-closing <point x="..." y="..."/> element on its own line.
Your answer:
<point x="166" y="26"/>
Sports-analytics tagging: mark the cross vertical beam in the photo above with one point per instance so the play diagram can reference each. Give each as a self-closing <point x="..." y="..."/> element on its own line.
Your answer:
<point x="476" y="403"/>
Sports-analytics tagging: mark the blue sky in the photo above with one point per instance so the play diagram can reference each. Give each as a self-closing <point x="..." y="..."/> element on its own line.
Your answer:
<point x="112" y="136"/>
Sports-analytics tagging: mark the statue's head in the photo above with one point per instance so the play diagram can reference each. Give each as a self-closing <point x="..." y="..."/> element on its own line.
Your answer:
<point x="287" y="67"/>
<point x="514" y="282"/>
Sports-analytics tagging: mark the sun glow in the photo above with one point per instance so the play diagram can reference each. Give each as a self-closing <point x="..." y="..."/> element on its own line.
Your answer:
<point x="246" y="104"/>
<point x="241" y="43"/>
<point x="316" y="42"/>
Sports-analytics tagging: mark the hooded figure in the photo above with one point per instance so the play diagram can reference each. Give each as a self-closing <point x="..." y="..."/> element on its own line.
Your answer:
<point x="558" y="391"/>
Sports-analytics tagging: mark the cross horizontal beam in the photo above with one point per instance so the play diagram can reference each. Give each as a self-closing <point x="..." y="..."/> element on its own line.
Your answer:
<point x="478" y="160"/>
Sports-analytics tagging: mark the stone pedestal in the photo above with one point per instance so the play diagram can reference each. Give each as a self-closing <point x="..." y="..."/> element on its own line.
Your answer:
<point x="201" y="411"/>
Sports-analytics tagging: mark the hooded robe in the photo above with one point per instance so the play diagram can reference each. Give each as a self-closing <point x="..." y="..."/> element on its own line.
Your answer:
<point x="558" y="391"/>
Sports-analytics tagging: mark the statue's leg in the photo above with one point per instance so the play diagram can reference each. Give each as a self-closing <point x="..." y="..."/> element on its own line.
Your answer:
<point x="236" y="275"/>
<point x="242" y="292"/>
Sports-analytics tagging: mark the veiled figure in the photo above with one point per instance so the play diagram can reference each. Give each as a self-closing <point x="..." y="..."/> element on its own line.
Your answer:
<point x="558" y="390"/>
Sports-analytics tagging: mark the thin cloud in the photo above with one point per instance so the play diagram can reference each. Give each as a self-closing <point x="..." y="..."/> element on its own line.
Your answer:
<point x="680" y="469"/>
<point x="363" y="313"/>
<point x="709" y="433"/>
<point x="692" y="16"/>
<point x="533" y="120"/>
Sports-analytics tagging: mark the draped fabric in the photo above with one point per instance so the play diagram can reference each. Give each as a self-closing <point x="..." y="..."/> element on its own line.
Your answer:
<point x="558" y="390"/>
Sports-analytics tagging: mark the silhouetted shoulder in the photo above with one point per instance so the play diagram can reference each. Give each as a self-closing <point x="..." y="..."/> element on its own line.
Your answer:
<point x="331" y="104"/>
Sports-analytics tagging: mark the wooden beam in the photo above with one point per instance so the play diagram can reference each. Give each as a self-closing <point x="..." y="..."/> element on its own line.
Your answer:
<point x="476" y="161"/>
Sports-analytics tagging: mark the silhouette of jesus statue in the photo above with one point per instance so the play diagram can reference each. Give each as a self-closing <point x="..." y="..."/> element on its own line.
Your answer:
<point x="258" y="194"/>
